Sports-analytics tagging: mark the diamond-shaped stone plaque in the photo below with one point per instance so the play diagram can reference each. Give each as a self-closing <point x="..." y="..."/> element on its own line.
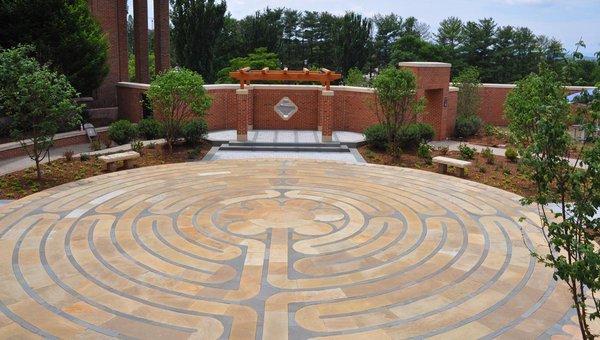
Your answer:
<point x="286" y="108"/>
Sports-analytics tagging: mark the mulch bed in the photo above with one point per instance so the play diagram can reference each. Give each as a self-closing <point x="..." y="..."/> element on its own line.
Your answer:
<point x="502" y="174"/>
<point x="23" y="183"/>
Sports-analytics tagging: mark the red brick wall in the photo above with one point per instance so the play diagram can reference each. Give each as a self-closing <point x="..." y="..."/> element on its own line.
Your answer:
<point x="491" y="110"/>
<point x="265" y="117"/>
<point x="353" y="111"/>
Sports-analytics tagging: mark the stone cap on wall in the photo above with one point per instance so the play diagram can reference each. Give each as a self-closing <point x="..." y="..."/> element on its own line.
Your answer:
<point x="58" y="136"/>
<point x="423" y="64"/>
<point x="141" y="86"/>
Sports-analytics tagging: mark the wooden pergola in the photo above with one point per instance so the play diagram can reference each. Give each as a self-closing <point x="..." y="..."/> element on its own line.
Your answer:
<point x="246" y="75"/>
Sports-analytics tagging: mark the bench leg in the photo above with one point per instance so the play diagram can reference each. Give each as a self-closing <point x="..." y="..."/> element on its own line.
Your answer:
<point x="110" y="167"/>
<point x="461" y="172"/>
<point x="442" y="168"/>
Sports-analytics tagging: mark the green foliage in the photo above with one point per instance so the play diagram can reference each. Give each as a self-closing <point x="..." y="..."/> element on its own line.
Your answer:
<point x="539" y="122"/>
<point x="196" y="27"/>
<point x="176" y="95"/>
<point x="413" y="134"/>
<point x="466" y="152"/>
<point x="467" y="126"/>
<point x="257" y="60"/>
<point x="488" y="155"/>
<point x="194" y="131"/>
<point x="151" y="67"/>
<point x="355" y="78"/>
<point x="376" y="136"/>
<point x="37" y="101"/>
<point x="511" y="154"/>
<point x="150" y="129"/>
<point x="137" y="146"/>
<point x="469" y="99"/>
<point x="352" y="41"/>
<point x="122" y="132"/>
<point x="84" y="157"/>
<point x="490" y="130"/>
<point x="65" y="35"/>
<point x="194" y="153"/>
<point x="424" y="152"/>
<point x="396" y="105"/>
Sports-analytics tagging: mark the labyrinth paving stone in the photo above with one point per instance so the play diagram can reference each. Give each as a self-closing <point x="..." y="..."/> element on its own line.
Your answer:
<point x="275" y="249"/>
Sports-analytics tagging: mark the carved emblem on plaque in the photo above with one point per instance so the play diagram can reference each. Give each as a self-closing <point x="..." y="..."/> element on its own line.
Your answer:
<point x="286" y="108"/>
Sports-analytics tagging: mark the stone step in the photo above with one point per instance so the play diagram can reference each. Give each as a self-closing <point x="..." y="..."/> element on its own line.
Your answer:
<point x="284" y="148"/>
<point x="325" y="144"/>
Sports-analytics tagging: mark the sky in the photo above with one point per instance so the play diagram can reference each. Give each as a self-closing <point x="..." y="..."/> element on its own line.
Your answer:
<point x="566" y="20"/>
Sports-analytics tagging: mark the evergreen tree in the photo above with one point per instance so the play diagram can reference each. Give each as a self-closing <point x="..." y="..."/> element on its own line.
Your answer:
<point x="65" y="36"/>
<point x="353" y="42"/>
<point x="196" y="26"/>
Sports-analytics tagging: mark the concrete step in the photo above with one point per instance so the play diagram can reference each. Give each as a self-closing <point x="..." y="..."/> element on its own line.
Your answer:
<point x="327" y="144"/>
<point x="285" y="148"/>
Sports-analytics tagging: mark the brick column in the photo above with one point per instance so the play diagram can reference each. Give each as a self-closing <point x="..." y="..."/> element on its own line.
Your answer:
<point x="244" y="110"/>
<point x="326" y="115"/>
<point x="140" y="25"/>
<point x="161" y="35"/>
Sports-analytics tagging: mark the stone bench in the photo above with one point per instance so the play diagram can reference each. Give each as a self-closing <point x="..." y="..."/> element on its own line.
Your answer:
<point x="444" y="162"/>
<point x="127" y="158"/>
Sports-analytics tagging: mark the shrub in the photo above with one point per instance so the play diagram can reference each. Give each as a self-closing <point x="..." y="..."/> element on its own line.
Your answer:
<point x="488" y="155"/>
<point x="69" y="155"/>
<point x="84" y="157"/>
<point x="95" y="145"/>
<point x="150" y="129"/>
<point x="424" y="151"/>
<point x="376" y="136"/>
<point x="194" y="131"/>
<point x="466" y="152"/>
<point x="412" y="135"/>
<point x="511" y="154"/>
<point x="467" y="126"/>
<point x="122" y="132"/>
<point x="151" y="145"/>
<point x="443" y="150"/>
<point x="138" y="146"/>
<point x="489" y="130"/>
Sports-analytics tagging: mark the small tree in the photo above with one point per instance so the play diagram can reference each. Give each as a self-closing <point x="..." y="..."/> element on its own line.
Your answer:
<point x="178" y="95"/>
<point x="37" y="100"/>
<point x="355" y="78"/>
<point x="539" y="119"/>
<point x="468" y="122"/>
<point x="396" y="103"/>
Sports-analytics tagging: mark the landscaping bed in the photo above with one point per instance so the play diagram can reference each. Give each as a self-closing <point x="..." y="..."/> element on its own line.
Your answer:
<point x="23" y="183"/>
<point x="502" y="174"/>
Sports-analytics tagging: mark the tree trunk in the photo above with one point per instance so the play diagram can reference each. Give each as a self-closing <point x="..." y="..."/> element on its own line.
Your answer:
<point x="38" y="169"/>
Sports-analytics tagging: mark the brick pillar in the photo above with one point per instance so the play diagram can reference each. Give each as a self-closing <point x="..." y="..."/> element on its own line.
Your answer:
<point x="140" y="25"/>
<point x="244" y="109"/>
<point x="326" y="115"/>
<point x="161" y="35"/>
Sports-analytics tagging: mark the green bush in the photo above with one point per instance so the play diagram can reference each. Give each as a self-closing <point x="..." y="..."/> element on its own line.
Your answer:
<point x="151" y="129"/>
<point x="413" y="134"/>
<point x="122" y="132"/>
<point x="466" y="152"/>
<point x="138" y="146"/>
<point x="467" y="126"/>
<point x="194" y="131"/>
<point x="424" y="151"/>
<point x="488" y="155"/>
<point x="511" y="154"/>
<point x="376" y="137"/>
<point x="489" y="130"/>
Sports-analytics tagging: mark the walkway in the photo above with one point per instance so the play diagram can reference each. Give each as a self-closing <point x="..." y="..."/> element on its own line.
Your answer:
<point x="286" y="136"/>
<point x="275" y="249"/>
<point x="23" y="162"/>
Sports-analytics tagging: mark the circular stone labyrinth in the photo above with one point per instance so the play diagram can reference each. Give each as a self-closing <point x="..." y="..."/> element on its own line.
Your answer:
<point x="275" y="249"/>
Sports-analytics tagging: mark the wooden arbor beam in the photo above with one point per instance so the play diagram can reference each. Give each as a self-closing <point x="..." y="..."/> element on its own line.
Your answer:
<point x="246" y="75"/>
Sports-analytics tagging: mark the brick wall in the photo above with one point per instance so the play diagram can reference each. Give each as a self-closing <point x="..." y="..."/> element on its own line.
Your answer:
<point x="10" y="150"/>
<point x="265" y="117"/>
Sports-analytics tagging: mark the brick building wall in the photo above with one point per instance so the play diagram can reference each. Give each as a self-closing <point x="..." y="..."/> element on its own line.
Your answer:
<point x="265" y="117"/>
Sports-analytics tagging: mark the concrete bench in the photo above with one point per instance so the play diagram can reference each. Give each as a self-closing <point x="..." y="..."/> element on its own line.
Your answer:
<point x="444" y="162"/>
<point x="127" y="158"/>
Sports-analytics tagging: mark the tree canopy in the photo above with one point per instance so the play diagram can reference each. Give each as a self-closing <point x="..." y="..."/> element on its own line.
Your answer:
<point x="65" y="36"/>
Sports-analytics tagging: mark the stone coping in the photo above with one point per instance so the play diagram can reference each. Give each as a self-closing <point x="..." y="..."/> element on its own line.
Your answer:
<point x="424" y="64"/>
<point x="58" y="136"/>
